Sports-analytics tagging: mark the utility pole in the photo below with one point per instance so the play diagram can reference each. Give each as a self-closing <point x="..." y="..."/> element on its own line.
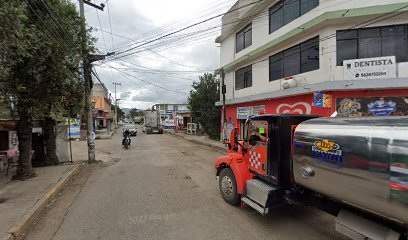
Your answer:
<point x="88" y="59"/>
<point x="116" y="102"/>
<point x="223" y="91"/>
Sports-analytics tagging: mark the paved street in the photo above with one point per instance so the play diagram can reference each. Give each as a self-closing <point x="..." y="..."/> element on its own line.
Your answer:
<point x="164" y="188"/>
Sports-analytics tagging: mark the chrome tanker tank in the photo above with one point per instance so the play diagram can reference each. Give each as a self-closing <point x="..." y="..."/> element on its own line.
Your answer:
<point x="362" y="162"/>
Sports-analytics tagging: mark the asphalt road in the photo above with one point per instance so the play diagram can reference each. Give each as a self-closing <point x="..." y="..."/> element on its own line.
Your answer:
<point x="165" y="188"/>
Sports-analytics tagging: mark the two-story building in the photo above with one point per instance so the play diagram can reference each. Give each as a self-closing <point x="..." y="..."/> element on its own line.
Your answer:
<point x="315" y="57"/>
<point x="101" y="103"/>
<point x="169" y="111"/>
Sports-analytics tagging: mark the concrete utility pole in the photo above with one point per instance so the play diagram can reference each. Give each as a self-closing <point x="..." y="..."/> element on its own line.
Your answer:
<point x="116" y="102"/>
<point x="223" y="91"/>
<point x="88" y="83"/>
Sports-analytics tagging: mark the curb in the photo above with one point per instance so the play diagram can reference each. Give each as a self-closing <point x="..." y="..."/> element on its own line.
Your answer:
<point x="40" y="205"/>
<point x="217" y="148"/>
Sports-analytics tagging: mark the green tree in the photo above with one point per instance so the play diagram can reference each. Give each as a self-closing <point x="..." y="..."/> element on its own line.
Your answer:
<point x="19" y="48"/>
<point x="40" y="55"/>
<point x="60" y="76"/>
<point x="133" y="113"/>
<point x="201" y="103"/>
<point x="121" y="113"/>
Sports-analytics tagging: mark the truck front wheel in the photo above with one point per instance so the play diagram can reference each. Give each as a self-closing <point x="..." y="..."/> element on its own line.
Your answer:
<point x="228" y="186"/>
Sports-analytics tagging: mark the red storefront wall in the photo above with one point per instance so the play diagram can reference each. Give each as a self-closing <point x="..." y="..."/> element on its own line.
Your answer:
<point x="303" y="104"/>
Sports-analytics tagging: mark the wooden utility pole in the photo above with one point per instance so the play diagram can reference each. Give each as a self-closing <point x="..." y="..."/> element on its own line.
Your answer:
<point x="88" y="83"/>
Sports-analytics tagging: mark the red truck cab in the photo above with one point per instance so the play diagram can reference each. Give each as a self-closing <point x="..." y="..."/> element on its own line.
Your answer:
<point x="265" y="155"/>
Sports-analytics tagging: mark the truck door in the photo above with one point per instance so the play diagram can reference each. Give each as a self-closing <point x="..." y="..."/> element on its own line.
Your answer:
<point x="256" y="156"/>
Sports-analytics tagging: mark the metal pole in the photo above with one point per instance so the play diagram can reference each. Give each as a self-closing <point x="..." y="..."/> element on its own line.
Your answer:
<point x="69" y="139"/>
<point x="116" y="108"/>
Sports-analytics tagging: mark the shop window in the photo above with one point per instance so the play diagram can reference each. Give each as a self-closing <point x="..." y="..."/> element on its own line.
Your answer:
<point x="243" y="78"/>
<point x="244" y="38"/>
<point x="301" y="58"/>
<point x="285" y="11"/>
<point x="372" y="42"/>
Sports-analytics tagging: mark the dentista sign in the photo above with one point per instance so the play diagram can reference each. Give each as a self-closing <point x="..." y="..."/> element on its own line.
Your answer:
<point x="370" y="68"/>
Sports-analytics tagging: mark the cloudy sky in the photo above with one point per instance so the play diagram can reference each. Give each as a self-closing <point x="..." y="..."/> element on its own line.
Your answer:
<point x="152" y="67"/>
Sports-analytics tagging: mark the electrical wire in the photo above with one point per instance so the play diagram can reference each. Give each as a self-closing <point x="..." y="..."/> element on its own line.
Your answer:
<point x="185" y="28"/>
<point x="100" y="25"/>
<point x="150" y="83"/>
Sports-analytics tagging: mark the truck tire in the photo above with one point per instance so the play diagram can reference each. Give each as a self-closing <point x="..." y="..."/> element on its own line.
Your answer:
<point x="228" y="186"/>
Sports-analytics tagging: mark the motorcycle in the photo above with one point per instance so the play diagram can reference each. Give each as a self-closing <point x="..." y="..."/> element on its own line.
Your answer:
<point x="126" y="142"/>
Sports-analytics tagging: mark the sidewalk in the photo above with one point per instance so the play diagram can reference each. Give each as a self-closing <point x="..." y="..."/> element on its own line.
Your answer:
<point x="19" y="200"/>
<point x="202" y="140"/>
<point x="105" y="134"/>
<point x="80" y="151"/>
<point x="22" y="201"/>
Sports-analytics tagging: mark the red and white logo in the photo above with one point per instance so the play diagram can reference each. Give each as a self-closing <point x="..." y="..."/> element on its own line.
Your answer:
<point x="300" y="108"/>
<point x="254" y="159"/>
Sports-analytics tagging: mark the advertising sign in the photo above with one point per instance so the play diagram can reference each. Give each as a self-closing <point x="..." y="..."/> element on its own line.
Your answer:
<point x="322" y="100"/>
<point x="74" y="124"/>
<point x="372" y="106"/>
<point x="370" y="68"/>
<point x="245" y="112"/>
<point x="168" y="123"/>
<point x="255" y="110"/>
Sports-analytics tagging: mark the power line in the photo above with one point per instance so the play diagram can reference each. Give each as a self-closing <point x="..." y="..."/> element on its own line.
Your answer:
<point x="110" y="23"/>
<point x="54" y="33"/>
<point x="168" y="27"/>
<point x="150" y="83"/>
<point x="185" y="28"/>
<point x="357" y="26"/>
<point x="100" y="25"/>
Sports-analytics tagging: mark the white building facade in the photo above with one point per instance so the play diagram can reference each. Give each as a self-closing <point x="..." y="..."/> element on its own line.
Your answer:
<point x="315" y="57"/>
<point x="173" y="113"/>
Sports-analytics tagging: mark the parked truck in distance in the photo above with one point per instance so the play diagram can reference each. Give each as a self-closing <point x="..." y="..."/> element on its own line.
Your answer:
<point x="353" y="168"/>
<point x="152" y="122"/>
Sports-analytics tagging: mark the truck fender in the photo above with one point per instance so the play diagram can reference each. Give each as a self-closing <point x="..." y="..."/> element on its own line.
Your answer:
<point x="238" y="166"/>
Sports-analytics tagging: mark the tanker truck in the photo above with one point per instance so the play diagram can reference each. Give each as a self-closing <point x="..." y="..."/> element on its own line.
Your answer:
<point x="353" y="168"/>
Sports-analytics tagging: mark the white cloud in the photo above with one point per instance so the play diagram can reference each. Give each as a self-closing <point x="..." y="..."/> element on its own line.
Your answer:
<point x="137" y="19"/>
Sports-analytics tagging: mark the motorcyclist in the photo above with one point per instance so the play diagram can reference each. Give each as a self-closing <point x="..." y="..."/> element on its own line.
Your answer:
<point x="126" y="134"/>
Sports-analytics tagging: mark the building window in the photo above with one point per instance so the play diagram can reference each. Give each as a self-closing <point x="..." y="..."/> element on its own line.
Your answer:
<point x="243" y="78"/>
<point x="298" y="59"/>
<point x="285" y="11"/>
<point x="373" y="42"/>
<point x="244" y="38"/>
<point x="175" y="108"/>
